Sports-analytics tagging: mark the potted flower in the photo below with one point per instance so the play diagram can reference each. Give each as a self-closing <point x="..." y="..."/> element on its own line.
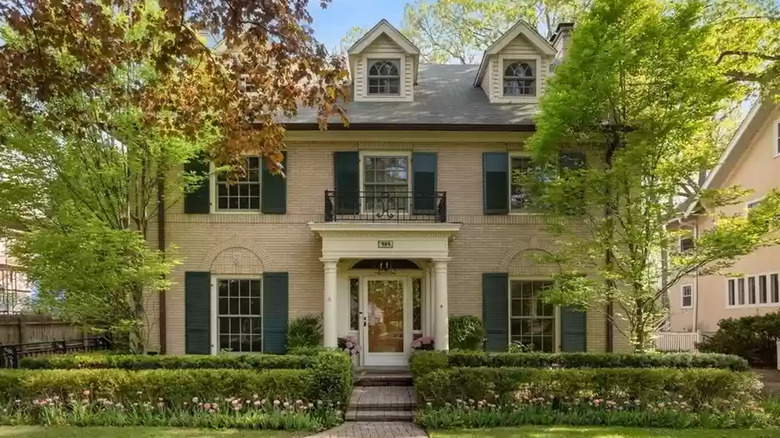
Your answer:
<point x="423" y="343"/>
<point x="350" y="345"/>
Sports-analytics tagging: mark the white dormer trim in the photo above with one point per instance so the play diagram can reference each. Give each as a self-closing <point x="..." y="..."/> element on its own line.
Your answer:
<point x="520" y="28"/>
<point x="383" y="27"/>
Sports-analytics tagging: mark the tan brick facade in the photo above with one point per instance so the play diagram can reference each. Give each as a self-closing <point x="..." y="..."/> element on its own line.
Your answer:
<point x="243" y="243"/>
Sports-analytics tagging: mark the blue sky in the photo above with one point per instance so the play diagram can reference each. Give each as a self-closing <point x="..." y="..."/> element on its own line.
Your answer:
<point x="333" y="23"/>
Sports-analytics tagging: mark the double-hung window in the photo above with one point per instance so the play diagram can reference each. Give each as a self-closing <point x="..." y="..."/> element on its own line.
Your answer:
<point x="532" y="321"/>
<point x="687" y="296"/>
<point x="242" y="191"/>
<point x="239" y="314"/>
<point x="386" y="183"/>
<point x="520" y="78"/>
<point x="384" y="77"/>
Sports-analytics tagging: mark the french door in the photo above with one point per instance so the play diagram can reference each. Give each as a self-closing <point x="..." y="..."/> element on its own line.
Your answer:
<point x="386" y="326"/>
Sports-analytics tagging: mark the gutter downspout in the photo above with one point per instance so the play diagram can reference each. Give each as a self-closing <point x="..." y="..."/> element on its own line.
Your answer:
<point x="161" y="246"/>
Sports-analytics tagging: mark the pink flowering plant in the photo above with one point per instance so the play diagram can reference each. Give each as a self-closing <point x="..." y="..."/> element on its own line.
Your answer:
<point x="423" y="343"/>
<point x="350" y="345"/>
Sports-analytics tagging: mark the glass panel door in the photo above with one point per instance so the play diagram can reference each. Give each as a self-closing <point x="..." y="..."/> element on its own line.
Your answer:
<point x="385" y="316"/>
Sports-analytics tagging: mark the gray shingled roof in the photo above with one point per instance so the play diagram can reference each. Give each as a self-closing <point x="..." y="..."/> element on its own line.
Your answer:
<point x="444" y="95"/>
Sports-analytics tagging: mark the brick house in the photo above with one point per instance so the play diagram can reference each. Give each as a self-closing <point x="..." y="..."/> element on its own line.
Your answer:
<point x="385" y="227"/>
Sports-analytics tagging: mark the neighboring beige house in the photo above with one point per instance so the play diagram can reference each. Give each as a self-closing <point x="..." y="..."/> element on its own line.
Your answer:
<point x="14" y="287"/>
<point x="386" y="227"/>
<point x="752" y="161"/>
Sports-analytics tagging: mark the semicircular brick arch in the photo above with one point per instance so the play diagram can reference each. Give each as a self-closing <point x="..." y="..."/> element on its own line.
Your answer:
<point x="236" y="256"/>
<point x="518" y="261"/>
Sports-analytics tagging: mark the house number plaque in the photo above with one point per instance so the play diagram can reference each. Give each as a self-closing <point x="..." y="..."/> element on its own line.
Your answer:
<point x="384" y="244"/>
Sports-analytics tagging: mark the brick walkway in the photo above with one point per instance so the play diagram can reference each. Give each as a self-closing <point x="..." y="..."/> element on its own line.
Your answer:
<point x="393" y="429"/>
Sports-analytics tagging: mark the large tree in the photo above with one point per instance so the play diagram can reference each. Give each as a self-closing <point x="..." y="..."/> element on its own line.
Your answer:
<point x="640" y="93"/>
<point x="101" y="104"/>
<point x="458" y="30"/>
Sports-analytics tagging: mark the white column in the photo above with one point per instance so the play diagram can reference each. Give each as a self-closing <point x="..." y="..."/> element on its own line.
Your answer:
<point x="441" y="334"/>
<point x="329" y="314"/>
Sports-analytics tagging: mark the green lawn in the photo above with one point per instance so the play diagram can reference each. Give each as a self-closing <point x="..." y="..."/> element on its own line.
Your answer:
<point x="134" y="432"/>
<point x="600" y="432"/>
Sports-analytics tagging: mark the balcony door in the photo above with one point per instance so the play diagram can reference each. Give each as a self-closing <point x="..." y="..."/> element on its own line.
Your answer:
<point x="386" y="331"/>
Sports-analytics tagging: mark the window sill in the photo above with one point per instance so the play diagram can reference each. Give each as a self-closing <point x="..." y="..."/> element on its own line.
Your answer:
<point x="237" y="212"/>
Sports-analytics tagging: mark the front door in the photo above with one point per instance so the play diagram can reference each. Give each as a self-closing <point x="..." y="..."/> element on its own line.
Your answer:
<point x="386" y="328"/>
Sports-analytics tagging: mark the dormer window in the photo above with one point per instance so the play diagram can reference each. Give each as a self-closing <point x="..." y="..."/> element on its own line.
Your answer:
<point x="384" y="77"/>
<point x="520" y="78"/>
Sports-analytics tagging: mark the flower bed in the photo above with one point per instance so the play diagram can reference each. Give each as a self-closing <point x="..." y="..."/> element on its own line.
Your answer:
<point x="310" y="398"/>
<point x="425" y="362"/>
<point x="142" y="362"/>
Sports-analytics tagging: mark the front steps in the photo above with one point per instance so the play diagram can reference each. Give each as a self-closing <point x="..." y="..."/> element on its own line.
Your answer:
<point x="382" y="395"/>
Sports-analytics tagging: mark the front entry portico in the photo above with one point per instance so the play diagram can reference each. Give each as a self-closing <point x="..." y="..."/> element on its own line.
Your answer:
<point x="385" y="309"/>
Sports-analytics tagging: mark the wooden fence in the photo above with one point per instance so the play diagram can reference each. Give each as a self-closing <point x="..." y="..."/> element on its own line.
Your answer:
<point x="22" y="329"/>
<point x="677" y="341"/>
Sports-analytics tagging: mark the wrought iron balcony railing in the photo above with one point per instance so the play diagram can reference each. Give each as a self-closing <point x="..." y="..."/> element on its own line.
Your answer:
<point x="385" y="206"/>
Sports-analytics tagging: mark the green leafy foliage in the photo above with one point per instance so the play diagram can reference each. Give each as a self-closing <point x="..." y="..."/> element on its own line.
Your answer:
<point x="694" y="387"/>
<point x="466" y="333"/>
<point x="640" y="94"/>
<point x="752" y="337"/>
<point x="144" y="362"/>
<point x="305" y="331"/>
<point x="332" y="374"/>
<point x="426" y="362"/>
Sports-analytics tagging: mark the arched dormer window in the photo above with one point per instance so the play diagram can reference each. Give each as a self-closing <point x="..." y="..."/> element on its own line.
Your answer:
<point x="520" y="78"/>
<point x="384" y="77"/>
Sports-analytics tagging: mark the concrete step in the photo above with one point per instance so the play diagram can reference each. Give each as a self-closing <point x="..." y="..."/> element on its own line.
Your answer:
<point x="382" y="398"/>
<point x="355" y="415"/>
<point x="383" y="379"/>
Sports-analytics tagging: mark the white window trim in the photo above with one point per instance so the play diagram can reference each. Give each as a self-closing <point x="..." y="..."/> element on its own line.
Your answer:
<point x="213" y="190"/>
<point x="401" y="96"/>
<point x="775" y="138"/>
<point x="681" y="238"/>
<point x="215" y="278"/>
<point x="757" y="304"/>
<point x="363" y="154"/>
<point x="682" y="295"/>
<point x="556" y="313"/>
<point x="516" y="154"/>
<point x="537" y="60"/>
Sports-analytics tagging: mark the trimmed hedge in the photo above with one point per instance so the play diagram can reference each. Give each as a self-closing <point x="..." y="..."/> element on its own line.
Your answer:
<point x="752" y="337"/>
<point x="328" y="377"/>
<point x="426" y="361"/>
<point x="142" y="362"/>
<point x="694" y="387"/>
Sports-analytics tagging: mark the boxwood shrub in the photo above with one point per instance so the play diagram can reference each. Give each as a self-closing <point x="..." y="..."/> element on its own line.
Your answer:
<point x="142" y="362"/>
<point x="693" y="387"/>
<point x="427" y="361"/>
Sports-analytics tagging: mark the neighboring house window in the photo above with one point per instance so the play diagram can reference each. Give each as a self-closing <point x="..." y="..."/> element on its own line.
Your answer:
<point x="687" y="296"/>
<point x="532" y="321"/>
<point x="384" y="77"/>
<point x="519" y="196"/>
<point x="243" y="193"/>
<point x="686" y="243"/>
<point x="386" y="183"/>
<point x="754" y="290"/>
<point x="520" y="78"/>
<point x="240" y="317"/>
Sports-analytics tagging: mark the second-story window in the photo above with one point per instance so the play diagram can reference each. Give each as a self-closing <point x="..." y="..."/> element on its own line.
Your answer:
<point x="386" y="179"/>
<point x="687" y="296"/>
<point x="519" y="196"/>
<point x="520" y="78"/>
<point x="243" y="193"/>
<point x="384" y="77"/>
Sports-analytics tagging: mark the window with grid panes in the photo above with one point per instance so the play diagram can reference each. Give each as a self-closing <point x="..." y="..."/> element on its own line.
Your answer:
<point x="520" y="79"/>
<point x="243" y="193"/>
<point x="240" y="315"/>
<point x="384" y="77"/>
<point x="519" y="196"/>
<point x="386" y="183"/>
<point x="532" y="321"/>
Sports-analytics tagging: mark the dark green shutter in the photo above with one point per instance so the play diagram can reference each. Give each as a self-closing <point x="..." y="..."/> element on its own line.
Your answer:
<point x="198" y="200"/>
<point x="275" y="285"/>
<point x="274" y="196"/>
<point x="495" y="310"/>
<point x="573" y="329"/>
<point x="347" y="181"/>
<point x="424" y="182"/>
<point x="495" y="182"/>
<point x="197" y="312"/>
